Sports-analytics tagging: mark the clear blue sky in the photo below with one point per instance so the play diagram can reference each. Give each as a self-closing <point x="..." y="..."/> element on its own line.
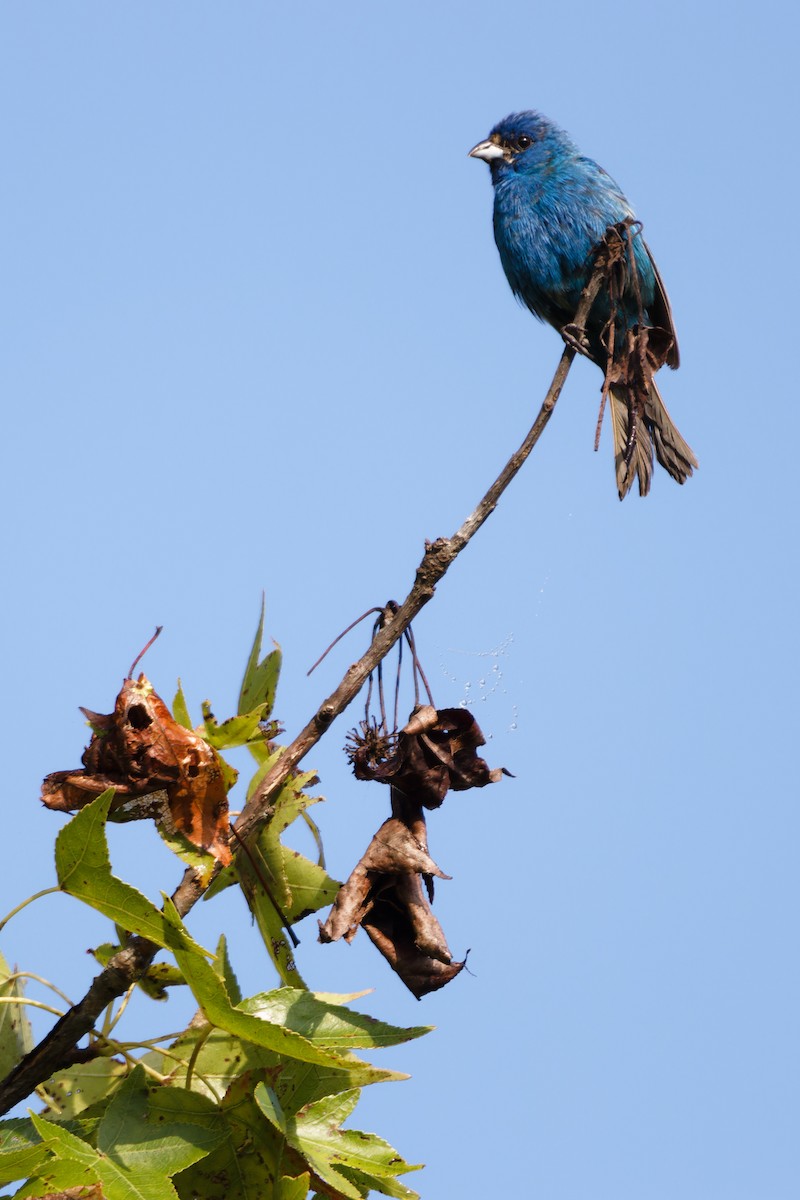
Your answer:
<point x="256" y="336"/>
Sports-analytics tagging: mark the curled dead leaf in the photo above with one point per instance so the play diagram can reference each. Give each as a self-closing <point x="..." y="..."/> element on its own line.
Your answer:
<point x="436" y="751"/>
<point x="157" y="767"/>
<point x="389" y="894"/>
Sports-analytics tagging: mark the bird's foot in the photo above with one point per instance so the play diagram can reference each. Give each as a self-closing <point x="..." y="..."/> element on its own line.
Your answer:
<point x="576" y="338"/>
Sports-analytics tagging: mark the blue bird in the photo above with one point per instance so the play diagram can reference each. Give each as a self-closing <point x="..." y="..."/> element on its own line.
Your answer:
<point x="552" y="207"/>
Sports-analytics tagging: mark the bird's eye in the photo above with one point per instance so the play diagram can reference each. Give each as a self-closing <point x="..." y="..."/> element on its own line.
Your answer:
<point x="523" y="142"/>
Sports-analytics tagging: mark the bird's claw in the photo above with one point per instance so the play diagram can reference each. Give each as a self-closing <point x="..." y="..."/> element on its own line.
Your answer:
<point x="576" y="338"/>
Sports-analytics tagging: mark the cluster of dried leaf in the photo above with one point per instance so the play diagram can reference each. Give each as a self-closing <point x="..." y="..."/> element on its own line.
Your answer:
<point x="157" y="768"/>
<point x="389" y="892"/>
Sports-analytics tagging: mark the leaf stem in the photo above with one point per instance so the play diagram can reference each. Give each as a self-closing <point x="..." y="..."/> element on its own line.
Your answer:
<point x="25" y="903"/>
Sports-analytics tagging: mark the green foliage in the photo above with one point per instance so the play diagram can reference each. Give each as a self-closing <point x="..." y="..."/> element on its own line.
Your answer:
<point x="143" y="1138"/>
<point x="83" y="867"/>
<point x="15" y="1030"/>
<point x="249" y="1101"/>
<point x="260" y="680"/>
<point x="282" y="885"/>
<point x="69" y="1093"/>
<point x="156" y="979"/>
<point x="351" y="1162"/>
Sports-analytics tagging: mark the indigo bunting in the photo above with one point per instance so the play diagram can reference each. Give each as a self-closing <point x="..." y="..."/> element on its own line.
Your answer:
<point x="552" y="207"/>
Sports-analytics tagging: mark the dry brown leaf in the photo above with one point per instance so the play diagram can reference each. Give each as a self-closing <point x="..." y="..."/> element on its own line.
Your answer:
<point x="436" y="751"/>
<point x="158" y="768"/>
<point x="385" y="895"/>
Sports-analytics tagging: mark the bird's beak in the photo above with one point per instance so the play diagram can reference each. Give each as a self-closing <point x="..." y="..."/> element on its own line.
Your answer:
<point x="487" y="151"/>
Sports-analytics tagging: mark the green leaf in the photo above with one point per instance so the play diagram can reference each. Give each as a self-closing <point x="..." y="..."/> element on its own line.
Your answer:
<point x="247" y="1164"/>
<point x="271" y="922"/>
<point x="142" y="1140"/>
<point x="71" y="1091"/>
<point x="225" y="879"/>
<point x="295" y="1188"/>
<point x="190" y="856"/>
<point x="389" y="1187"/>
<point x="228" y="973"/>
<point x="280" y="884"/>
<point x="260" y="678"/>
<point x="218" y="1059"/>
<point x="316" y="1134"/>
<point x="327" y="1023"/>
<point x="16" y="1038"/>
<point x="84" y="871"/>
<point x="156" y="979"/>
<point x="210" y="992"/>
<point x="236" y="731"/>
<point x="310" y="886"/>
<point x="63" y="1143"/>
<point x="21" y="1151"/>
<point x="265" y="766"/>
<point x="180" y="709"/>
<point x="57" y="1175"/>
<point x="290" y="802"/>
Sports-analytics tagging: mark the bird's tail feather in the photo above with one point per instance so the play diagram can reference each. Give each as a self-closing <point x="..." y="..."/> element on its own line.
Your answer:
<point x="655" y="429"/>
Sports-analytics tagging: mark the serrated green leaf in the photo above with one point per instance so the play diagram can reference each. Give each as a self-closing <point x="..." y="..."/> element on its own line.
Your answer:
<point x="180" y="709"/>
<point x="16" y="1038"/>
<point x="225" y="879"/>
<point x="270" y="1105"/>
<point x="168" y="1107"/>
<point x="265" y="766"/>
<point x="387" y="1186"/>
<point x="56" y="1176"/>
<point x="75" y="1089"/>
<point x="222" y="1058"/>
<point x="247" y="1164"/>
<point x="280" y="884"/>
<point x="310" y="886"/>
<point x="290" y="802"/>
<point x="84" y="871"/>
<point x="316" y="1134"/>
<point x="156" y="979"/>
<point x="142" y="1140"/>
<point x="294" y="1188"/>
<point x="22" y="1152"/>
<point x="228" y="973"/>
<point x="328" y="1024"/>
<point x="17" y="1133"/>
<point x="191" y="856"/>
<point x="62" y="1143"/>
<point x="271" y="922"/>
<point x="209" y="990"/>
<point x="260" y="678"/>
<point x="105" y="952"/>
<point x="235" y="731"/>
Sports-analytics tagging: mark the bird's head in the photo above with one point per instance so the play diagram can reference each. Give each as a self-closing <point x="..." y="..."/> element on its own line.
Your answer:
<point x="523" y="141"/>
